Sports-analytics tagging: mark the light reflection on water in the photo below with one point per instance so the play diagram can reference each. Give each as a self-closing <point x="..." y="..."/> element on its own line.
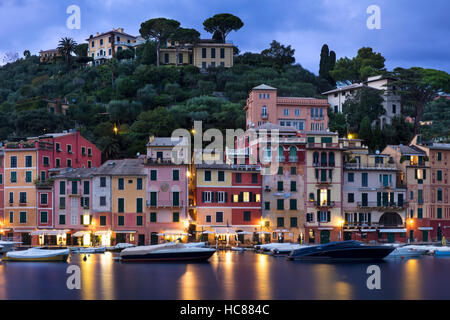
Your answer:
<point x="227" y="275"/>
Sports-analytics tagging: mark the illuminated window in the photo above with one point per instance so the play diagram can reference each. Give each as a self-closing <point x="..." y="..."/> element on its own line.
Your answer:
<point x="323" y="196"/>
<point x="414" y="160"/>
<point x="258" y="198"/>
<point x="246" y="196"/>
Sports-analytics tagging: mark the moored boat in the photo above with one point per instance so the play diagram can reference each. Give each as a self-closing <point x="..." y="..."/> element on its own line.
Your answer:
<point x="119" y="247"/>
<point x="166" y="252"/>
<point x="407" y="252"/>
<point x="7" y="246"/>
<point x="37" y="255"/>
<point x="341" y="251"/>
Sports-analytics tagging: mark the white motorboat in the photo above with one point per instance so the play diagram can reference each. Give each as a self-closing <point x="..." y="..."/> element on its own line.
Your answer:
<point x="120" y="246"/>
<point x="166" y="252"/>
<point x="38" y="255"/>
<point x="7" y="246"/>
<point x="407" y="252"/>
<point x="91" y="250"/>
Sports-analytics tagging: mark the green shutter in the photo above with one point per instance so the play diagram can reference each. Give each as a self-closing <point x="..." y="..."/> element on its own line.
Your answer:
<point x="139" y="205"/>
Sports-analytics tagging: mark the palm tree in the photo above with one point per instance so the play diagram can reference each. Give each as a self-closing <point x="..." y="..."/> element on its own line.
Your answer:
<point x="66" y="47"/>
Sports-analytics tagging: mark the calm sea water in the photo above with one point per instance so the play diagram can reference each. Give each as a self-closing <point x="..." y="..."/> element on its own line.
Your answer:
<point x="227" y="275"/>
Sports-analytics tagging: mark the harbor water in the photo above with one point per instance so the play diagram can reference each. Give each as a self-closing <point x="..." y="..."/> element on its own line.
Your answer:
<point x="226" y="276"/>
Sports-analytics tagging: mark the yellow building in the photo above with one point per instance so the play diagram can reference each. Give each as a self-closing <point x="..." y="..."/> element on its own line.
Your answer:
<point x="128" y="181"/>
<point x="104" y="46"/>
<point x="20" y="173"/>
<point x="49" y="55"/>
<point x="204" y="54"/>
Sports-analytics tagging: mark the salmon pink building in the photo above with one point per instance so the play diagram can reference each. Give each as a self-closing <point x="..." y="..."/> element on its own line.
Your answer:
<point x="304" y="114"/>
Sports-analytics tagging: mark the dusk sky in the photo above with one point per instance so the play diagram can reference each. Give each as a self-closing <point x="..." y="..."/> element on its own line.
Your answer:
<point x="413" y="33"/>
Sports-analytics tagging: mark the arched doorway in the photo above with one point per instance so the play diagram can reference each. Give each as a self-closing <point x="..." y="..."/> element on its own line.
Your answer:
<point x="391" y="219"/>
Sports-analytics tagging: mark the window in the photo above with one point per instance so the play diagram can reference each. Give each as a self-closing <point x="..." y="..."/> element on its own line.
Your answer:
<point x="351" y="198"/>
<point x="89" y="151"/>
<point x="166" y="58"/>
<point x="28" y="161"/>
<point x="207" y="175"/>
<point x="176" y="217"/>
<point x="439" y="213"/>
<point x="294" y="223"/>
<point x="221" y="176"/>
<point x="280" y="171"/>
<point x="46" y="161"/>
<point x="86" y="187"/>
<point x="153" y="198"/>
<point x="121" y="183"/>
<point x="153" y="175"/>
<point x="69" y="148"/>
<point x="280" y="204"/>
<point x="365" y="179"/>
<point x="152" y="217"/>
<point x="120" y="220"/>
<point x="222" y="53"/>
<point x="83" y="151"/>
<point x="139" y="205"/>
<point x="247" y="216"/>
<point x="121" y="205"/>
<point x="58" y="146"/>
<point x="208" y="219"/>
<point x="293" y="186"/>
<point x="102" y="220"/>
<point x="69" y="163"/>
<point x="176" y="175"/>
<point x="23" y="217"/>
<point x="23" y="197"/>
<point x="238" y="177"/>
<point x="439" y="194"/>
<point x="439" y="156"/>
<point x="213" y="53"/>
<point x="204" y="53"/>
<point x="266" y="205"/>
<point x="62" y="203"/>
<point x="44" y="198"/>
<point x="419" y="213"/>
<point x="219" y="217"/>
<point x="286" y="112"/>
<point x="394" y="109"/>
<point x="293" y="171"/>
<point x="280" y="222"/>
<point x="293" y="204"/>
<point x="102" y="182"/>
<point x="439" y="175"/>
<point x="1" y="179"/>
<point x="180" y="58"/>
<point x="351" y="177"/>
<point x="58" y="163"/>
<point x="89" y="164"/>
<point x="280" y="186"/>
<point x="11" y="217"/>
<point x="176" y="199"/>
<point x="44" y="217"/>
<point x="13" y="177"/>
<point x="28" y="176"/>
<point x="204" y="65"/>
<point x="139" y="183"/>
<point x="323" y="216"/>
<point x="11" y="197"/>
<point x="62" y="219"/>
<point x="139" y="221"/>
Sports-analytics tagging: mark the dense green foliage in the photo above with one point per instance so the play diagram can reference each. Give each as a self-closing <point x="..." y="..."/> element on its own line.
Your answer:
<point x="140" y="98"/>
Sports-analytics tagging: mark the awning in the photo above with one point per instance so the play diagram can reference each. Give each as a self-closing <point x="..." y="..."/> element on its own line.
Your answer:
<point x="244" y="232"/>
<point x="393" y="230"/>
<point x="173" y="233"/>
<point x="263" y="232"/>
<point x="326" y="229"/>
<point x="49" y="232"/>
<point x="426" y="228"/>
<point x="281" y="231"/>
<point x="79" y="234"/>
<point x="368" y="230"/>
<point x="224" y="231"/>
<point x="208" y="232"/>
<point x="122" y="231"/>
<point x="103" y="233"/>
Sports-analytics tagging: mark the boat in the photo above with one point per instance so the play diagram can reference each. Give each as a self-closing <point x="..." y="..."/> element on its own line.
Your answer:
<point x="38" y="255"/>
<point x="166" y="252"/>
<point x="239" y="249"/>
<point x="91" y="250"/>
<point x="442" y="252"/>
<point x="7" y="246"/>
<point x="342" y="251"/>
<point x="287" y="249"/>
<point x="407" y="252"/>
<point x="120" y="246"/>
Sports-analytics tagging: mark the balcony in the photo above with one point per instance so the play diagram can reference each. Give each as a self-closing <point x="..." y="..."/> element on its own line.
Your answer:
<point x="324" y="165"/>
<point x="293" y="159"/>
<point x="264" y="116"/>
<point x="328" y="204"/>
<point x="370" y="225"/>
<point x="323" y="145"/>
<point x="361" y="166"/>
<point x="165" y="204"/>
<point x="46" y="184"/>
<point x="376" y="205"/>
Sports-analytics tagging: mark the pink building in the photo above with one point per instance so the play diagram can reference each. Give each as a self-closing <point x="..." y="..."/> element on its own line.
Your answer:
<point x="304" y="114"/>
<point x="167" y="191"/>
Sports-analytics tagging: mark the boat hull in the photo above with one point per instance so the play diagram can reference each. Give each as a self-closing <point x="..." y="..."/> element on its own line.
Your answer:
<point x="173" y="256"/>
<point x="442" y="253"/>
<point x="59" y="258"/>
<point x="346" y="251"/>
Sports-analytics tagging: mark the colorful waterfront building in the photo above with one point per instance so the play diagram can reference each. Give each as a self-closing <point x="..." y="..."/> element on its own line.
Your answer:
<point x="128" y="195"/>
<point x="28" y="194"/>
<point x="304" y="114"/>
<point x="167" y="187"/>
<point x="228" y="201"/>
<point x="425" y="171"/>
<point x="324" y="171"/>
<point x="73" y="202"/>
<point x="2" y="193"/>
<point x="374" y="197"/>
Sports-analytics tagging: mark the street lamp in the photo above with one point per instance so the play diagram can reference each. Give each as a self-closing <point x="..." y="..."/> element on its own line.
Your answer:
<point x="341" y="225"/>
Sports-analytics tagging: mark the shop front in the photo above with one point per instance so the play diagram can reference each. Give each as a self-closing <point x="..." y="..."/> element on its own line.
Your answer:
<point x="50" y="237"/>
<point x="82" y="238"/>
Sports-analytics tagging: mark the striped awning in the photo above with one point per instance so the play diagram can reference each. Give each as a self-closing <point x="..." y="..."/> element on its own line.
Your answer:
<point x="79" y="234"/>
